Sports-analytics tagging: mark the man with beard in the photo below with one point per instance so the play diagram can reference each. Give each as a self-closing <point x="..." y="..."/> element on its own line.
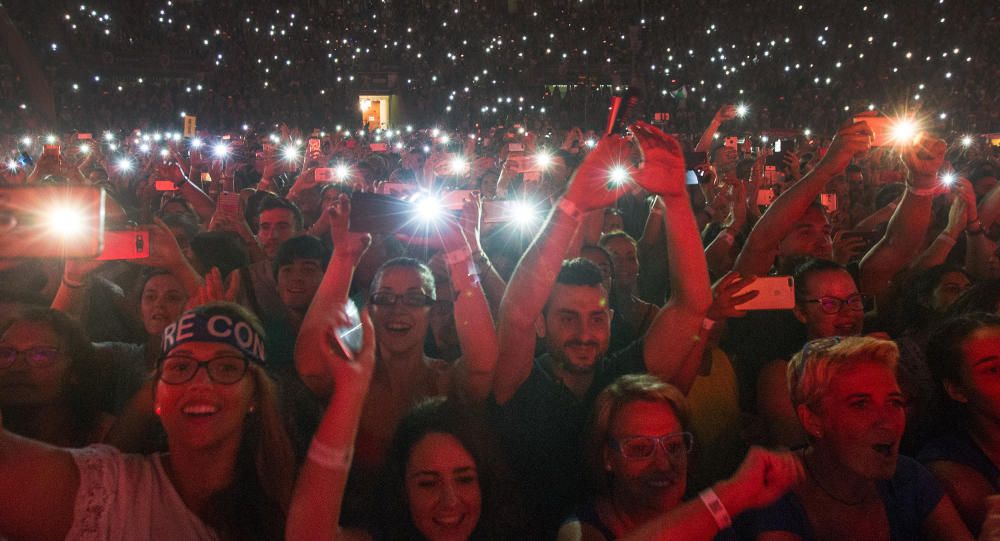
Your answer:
<point x="539" y="407"/>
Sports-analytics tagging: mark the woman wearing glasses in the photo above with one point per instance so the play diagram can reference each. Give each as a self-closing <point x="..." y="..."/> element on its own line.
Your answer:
<point x="637" y="450"/>
<point x="827" y="303"/>
<point x="49" y="380"/>
<point x="230" y="466"/>
<point x="857" y="485"/>
<point x="400" y="304"/>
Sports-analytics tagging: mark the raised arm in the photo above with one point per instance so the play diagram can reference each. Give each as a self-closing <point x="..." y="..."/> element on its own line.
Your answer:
<point x="473" y="320"/>
<point x="904" y="238"/>
<point x="669" y="338"/>
<point x="532" y="281"/>
<point x="332" y="295"/>
<point x="39" y="489"/>
<point x="761" y="247"/>
<point x="725" y="113"/>
<point x="314" y="512"/>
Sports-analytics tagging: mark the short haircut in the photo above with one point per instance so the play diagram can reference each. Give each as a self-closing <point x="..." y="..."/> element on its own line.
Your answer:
<point x="222" y="249"/>
<point x="944" y="347"/>
<point x="300" y="247"/>
<point x="625" y="390"/>
<point x="426" y="276"/>
<point x="579" y="272"/>
<point x="608" y="237"/>
<point x="271" y="203"/>
<point x="806" y="271"/>
<point x="604" y="253"/>
<point x="811" y="370"/>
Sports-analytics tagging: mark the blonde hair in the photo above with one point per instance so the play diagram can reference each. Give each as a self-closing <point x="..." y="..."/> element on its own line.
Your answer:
<point x="811" y="370"/>
<point x="625" y="390"/>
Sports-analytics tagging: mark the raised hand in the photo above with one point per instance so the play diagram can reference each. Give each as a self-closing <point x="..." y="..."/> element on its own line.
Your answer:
<point x="726" y="113"/>
<point x="214" y="289"/>
<point x="763" y="477"/>
<point x="924" y="159"/>
<point x="345" y="242"/>
<point x="662" y="171"/>
<point x="725" y="298"/>
<point x="851" y="140"/>
<point x="591" y="187"/>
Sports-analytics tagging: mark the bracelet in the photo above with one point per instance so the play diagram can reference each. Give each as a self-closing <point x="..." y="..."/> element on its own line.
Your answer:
<point x="714" y="505"/>
<point x="924" y="192"/>
<point x="71" y="284"/>
<point x="327" y="457"/>
<point x="570" y="209"/>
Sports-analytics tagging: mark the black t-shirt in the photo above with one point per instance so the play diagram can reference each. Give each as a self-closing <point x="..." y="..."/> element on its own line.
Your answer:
<point x="542" y="429"/>
<point x="758" y="338"/>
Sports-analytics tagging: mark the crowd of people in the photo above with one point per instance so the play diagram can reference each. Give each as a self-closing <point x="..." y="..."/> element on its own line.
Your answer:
<point x="512" y="324"/>
<point x="552" y="341"/>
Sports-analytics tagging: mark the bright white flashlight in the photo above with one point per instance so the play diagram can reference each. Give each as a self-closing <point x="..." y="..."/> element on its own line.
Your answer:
<point x="543" y="160"/>
<point x="949" y="179"/>
<point x="12" y="165"/>
<point x="428" y="208"/>
<point x="590" y="143"/>
<point x="144" y="147"/>
<point x="164" y="153"/>
<point x="221" y="150"/>
<point x="342" y="171"/>
<point x="50" y="139"/>
<point x="966" y="141"/>
<point x="522" y="213"/>
<point x="458" y="165"/>
<point x="196" y="143"/>
<point x="84" y="149"/>
<point x="618" y="175"/>
<point x="64" y="221"/>
<point x="108" y="136"/>
<point x="125" y="165"/>
<point x="290" y="153"/>
<point x="742" y="110"/>
<point x="904" y="131"/>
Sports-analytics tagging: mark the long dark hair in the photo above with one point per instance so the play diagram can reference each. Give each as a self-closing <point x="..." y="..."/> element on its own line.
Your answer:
<point x="500" y="517"/>
<point x="945" y="358"/>
<point x="82" y="392"/>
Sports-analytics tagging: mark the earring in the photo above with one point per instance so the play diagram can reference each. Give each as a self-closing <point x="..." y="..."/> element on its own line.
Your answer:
<point x="158" y="411"/>
<point x="251" y="409"/>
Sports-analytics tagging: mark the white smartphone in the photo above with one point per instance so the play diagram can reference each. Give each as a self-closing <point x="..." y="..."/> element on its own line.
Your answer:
<point x="774" y="293"/>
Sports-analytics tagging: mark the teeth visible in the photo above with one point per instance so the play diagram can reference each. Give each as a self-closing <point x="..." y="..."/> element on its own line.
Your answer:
<point x="200" y="410"/>
<point x="449" y="521"/>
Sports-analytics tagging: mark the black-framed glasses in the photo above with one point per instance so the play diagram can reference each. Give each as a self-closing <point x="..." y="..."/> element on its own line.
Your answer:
<point x="224" y="370"/>
<point x="383" y="298"/>
<point x="38" y="356"/>
<point x="833" y="305"/>
<point x="676" y="446"/>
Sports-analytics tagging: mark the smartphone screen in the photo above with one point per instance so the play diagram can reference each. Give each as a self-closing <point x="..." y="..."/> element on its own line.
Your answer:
<point x="165" y="186"/>
<point x="51" y="221"/>
<point x="325" y="174"/>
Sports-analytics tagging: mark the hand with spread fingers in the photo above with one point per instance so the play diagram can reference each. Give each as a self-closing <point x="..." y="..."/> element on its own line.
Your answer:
<point x="662" y="171"/>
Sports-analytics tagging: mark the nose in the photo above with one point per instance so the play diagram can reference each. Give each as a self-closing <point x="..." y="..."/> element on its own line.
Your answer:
<point x="449" y="496"/>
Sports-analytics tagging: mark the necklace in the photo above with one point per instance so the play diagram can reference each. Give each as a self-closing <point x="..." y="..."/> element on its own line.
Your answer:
<point x="829" y="494"/>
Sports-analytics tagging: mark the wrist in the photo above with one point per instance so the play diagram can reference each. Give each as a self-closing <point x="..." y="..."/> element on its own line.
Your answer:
<point x="568" y="207"/>
<point x="731" y="497"/>
<point x="717" y="506"/>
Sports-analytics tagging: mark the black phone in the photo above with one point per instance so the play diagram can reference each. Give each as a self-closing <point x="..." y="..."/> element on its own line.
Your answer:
<point x="380" y="213"/>
<point x="622" y="109"/>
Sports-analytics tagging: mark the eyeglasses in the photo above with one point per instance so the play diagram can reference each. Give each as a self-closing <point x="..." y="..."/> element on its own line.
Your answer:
<point x="178" y="369"/>
<point x="38" y="356"/>
<point x="676" y="446"/>
<point x="409" y="299"/>
<point x="833" y="305"/>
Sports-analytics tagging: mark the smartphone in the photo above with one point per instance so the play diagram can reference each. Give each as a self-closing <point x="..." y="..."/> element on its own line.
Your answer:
<point x="690" y="178"/>
<point x="350" y="337"/>
<point x="774" y="293"/>
<point x="501" y="211"/>
<point x="829" y="201"/>
<point x="621" y="111"/>
<point x="776" y="159"/>
<point x="515" y="147"/>
<point x="24" y="160"/>
<point x="380" y="213"/>
<point x="765" y="196"/>
<point x="881" y="127"/>
<point x="53" y="150"/>
<point x="51" y="221"/>
<point x="693" y="159"/>
<point x="313" y="144"/>
<point x="397" y="189"/>
<point x="325" y="174"/>
<point x="379" y="147"/>
<point x="165" y="186"/>
<point x="133" y="244"/>
<point x="228" y="204"/>
<point x="84" y="136"/>
<point x="732" y="142"/>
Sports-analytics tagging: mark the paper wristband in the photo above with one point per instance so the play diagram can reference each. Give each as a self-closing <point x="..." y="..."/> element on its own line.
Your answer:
<point x="714" y="505"/>
<point x="327" y="457"/>
<point x="570" y="209"/>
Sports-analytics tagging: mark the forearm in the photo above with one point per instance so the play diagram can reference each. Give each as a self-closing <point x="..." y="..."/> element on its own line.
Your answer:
<point x="652" y="233"/>
<point x="690" y="521"/>
<point x="492" y="283"/>
<point x="877" y="218"/>
<point x="689" y="284"/>
<point x="187" y="276"/>
<point x="903" y="240"/>
<point x="332" y="293"/>
<point x="200" y="200"/>
<point x="314" y="512"/>
<point x="937" y="253"/>
<point x="705" y="143"/>
<point x="718" y="254"/>
<point x="593" y="223"/>
<point x="71" y="297"/>
<point x="476" y="332"/>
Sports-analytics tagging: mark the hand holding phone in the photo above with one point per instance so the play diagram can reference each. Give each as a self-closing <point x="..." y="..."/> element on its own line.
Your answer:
<point x="773" y="293"/>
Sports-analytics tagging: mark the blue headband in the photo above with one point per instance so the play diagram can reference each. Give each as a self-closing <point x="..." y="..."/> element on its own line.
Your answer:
<point x="219" y="328"/>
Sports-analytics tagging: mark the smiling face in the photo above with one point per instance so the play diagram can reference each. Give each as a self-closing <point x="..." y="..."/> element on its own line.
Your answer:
<point x="829" y="283"/>
<point x="25" y="383"/>
<point x="656" y="483"/>
<point x="577" y="326"/>
<point x="275" y="226"/>
<point x="162" y="302"/>
<point x="861" y="418"/>
<point x="298" y="282"/>
<point x="201" y="413"/>
<point x="400" y="328"/>
<point x="442" y="488"/>
<point x="809" y="237"/>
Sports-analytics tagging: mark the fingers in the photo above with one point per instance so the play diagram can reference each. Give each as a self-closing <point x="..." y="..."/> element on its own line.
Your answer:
<point x="234" y="285"/>
<point x="367" y="353"/>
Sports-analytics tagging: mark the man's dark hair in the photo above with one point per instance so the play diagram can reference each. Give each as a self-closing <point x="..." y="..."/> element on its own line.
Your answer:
<point x="300" y="247"/>
<point x="222" y="249"/>
<point x="805" y="271"/>
<point x="271" y="203"/>
<point x="579" y="272"/>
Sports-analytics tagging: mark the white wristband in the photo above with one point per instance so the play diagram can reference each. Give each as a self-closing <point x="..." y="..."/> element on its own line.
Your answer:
<point x="327" y="457"/>
<point x="714" y="505"/>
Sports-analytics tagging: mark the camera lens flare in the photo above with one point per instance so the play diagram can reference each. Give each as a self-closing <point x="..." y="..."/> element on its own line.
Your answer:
<point x="742" y="110"/>
<point x="966" y="141"/>
<point x="84" y="149"/>
<point x="164" y="153"/>
<point x="220" y="150"/>
<point x="949" y="179"/>
<point x="50" y="139"/>
<point x="144" y="147"/>
<point x="196" y="143"/>
<point x="64" y="221"/>
<point x="26" y="141"/>
<point x="458" y="165"/>
<point x="12" y="165"/>
<point x="342" y="171"/>
<point x="290" y="153"/>
<point x="124" y="165"/>
<point x="428" y="208"/>
<point x="618" y="175"/>
<point x="590" y="143"/>
<point x="543" y="160"/>
<point x="904" y="131"/>
<point x="523" y="213"/>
